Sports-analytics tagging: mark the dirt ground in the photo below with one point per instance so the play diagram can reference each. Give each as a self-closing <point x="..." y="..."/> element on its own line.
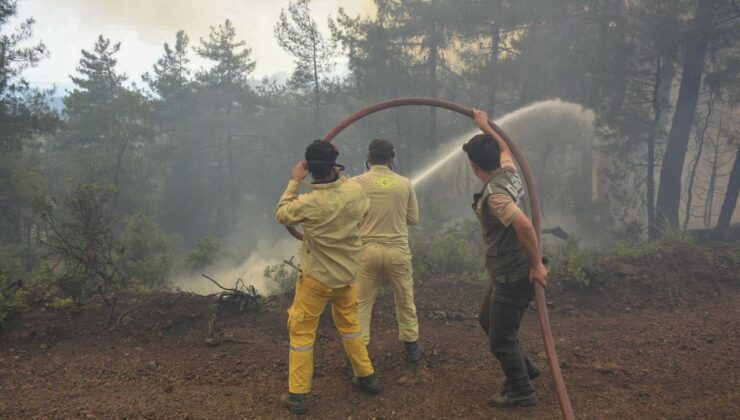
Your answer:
<point x="658" y="338"/>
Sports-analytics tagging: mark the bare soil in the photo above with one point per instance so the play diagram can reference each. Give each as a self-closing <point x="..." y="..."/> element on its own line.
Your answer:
<point x="657" y="337"/>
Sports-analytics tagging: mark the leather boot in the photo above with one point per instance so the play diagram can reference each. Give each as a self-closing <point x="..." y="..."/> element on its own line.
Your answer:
<point x="413" y="351"/>
<point x="516" y="393"/>
<point x="368" y="384"/>
<point x="509" y="399"/>
<point x="295" y="403"/>
<point x="533" y="371"/>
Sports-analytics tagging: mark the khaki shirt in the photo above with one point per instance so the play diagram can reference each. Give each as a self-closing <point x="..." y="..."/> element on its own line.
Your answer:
<point x="393" y="207"/>
<point x="502" y="206"/>
<point x="330" y="216"/>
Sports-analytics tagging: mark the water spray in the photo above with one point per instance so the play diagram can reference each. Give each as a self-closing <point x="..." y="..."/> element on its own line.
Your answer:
<point x="539" y="296"/>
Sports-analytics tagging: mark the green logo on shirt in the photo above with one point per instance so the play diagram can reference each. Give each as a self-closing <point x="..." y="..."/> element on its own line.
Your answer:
<point x="385" y="182"/>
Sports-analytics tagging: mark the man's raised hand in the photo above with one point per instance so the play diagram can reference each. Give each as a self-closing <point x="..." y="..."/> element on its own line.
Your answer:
<point x="480" y="118"/>
<point x="300" y="171"/>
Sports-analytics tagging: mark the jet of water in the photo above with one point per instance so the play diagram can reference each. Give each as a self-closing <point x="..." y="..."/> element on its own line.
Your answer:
<point x="457" y="143"/>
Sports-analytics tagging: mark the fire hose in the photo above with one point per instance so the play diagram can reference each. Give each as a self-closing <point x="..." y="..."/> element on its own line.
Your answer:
<point x="539" y="297"/>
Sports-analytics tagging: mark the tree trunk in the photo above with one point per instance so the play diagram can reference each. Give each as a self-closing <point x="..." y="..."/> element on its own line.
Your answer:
<point x="316" y="87"/>
<point x="669" y="192"/>
<point x="699" y="148"/>
<point x="231" y="180"/>
<point x="432" y="64"/>
<point x="733" y="187"/>
<point x="711" y="189"/>
<point x="117" y="171"/>
<point x="665" y="71"/>
<point x="492" y="83"/>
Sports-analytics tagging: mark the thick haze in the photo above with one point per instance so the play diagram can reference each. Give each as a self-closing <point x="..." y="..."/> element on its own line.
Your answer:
<point x="68" y="26"/>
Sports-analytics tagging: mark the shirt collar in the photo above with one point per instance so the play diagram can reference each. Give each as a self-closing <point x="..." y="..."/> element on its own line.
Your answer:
<point x="328" y="185"/>
<point x="380" y="168"/>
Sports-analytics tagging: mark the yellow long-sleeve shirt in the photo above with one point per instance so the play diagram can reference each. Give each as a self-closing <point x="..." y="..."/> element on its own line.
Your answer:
<point x="330" y="216"/>
<point x="393" y="207"/>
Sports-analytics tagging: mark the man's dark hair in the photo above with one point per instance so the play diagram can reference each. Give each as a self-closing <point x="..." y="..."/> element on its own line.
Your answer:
<point x="483" y="149"/>
<point x="321" y="157"/>
<point x="380" y="152"/>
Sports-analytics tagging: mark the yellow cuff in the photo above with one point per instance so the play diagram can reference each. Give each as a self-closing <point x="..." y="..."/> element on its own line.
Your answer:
<point x="293" y="187"/>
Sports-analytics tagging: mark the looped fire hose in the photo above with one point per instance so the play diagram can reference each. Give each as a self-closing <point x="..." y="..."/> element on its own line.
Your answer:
<point x="539" y="297"/>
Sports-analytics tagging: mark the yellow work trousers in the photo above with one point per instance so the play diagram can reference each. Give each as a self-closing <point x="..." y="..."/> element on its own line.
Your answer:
<point x="311" y="296"/>
<point x="378" y="263"/>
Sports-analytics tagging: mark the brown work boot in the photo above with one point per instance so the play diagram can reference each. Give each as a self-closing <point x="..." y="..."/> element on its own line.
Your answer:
<point x="368" y="384"/>
<point x="295" y="403"/>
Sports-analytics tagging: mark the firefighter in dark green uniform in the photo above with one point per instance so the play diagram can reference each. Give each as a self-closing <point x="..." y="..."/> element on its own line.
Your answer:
<point x="513" y="260"/>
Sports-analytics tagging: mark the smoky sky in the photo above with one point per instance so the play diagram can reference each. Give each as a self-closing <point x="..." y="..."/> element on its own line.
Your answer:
<point x="142" y="26"/>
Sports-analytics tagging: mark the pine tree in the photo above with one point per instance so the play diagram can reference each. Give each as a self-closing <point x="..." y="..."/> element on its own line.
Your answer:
<point x="171" y="72"/>
<point x="710" y="28"/>
<point x="298" y="34"/>
<point x="426" y="29"/>
<point x="227" y="103"/>
<point x="108" y="129"/>
<point x="233" y="63"/>
<point x="24" y="116"/>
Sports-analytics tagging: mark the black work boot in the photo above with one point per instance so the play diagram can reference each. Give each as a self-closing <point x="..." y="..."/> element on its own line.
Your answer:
<point x="368" y="384"/>
<point x="533" y="371"/>
<point x="517" y="392"/>
<point x="413" y="351"/>
<point x="295" y="403"/>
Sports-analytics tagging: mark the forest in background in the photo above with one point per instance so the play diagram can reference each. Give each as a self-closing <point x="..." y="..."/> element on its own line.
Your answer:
<point x="140" y="176"/>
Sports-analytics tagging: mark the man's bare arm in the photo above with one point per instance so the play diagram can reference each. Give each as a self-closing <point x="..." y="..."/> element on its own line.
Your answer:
<point x="480" y="118"/>
<point x="528" y="238"/>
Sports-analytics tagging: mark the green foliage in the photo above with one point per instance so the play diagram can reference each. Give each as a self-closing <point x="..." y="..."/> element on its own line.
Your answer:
<point x="283" y="275"/>
<point x="61" y="303"/>
<point x="574" y="266"/>
<point x="12" y="298"/>
<point x="232" y="58"/>
<point x="623" y="249"/>
<point x="144" y="254"/>
<point x="670" y="239"/>
<point x="455" y="251"/>
<point x="11" y="305"/>
<point x="107" y="135"/>
<point x="733" y="254"/>
<point x="82" y="240"/>
<point x="171" y="71"/>
<point x="206" y="252"/>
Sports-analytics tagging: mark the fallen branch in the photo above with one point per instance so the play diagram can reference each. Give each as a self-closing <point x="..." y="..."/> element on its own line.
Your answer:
<point x="217" y="284"/>
<point x="241" y="293"/>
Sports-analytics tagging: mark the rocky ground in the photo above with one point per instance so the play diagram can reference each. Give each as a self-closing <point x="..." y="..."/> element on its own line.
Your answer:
<point x="657" y="337"/>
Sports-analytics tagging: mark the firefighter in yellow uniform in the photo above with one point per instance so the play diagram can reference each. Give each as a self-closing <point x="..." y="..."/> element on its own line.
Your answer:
<point x="330" y="255"/>
<point x="385" y="237"/>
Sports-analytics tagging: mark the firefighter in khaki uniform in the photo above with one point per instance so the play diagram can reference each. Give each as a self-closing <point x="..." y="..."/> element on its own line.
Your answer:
<point x="385" y="238"/>
<point x="330" y="216"/>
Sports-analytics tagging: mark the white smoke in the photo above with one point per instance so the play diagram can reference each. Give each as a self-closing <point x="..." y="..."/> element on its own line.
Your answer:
<point x="267" y="253"/>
